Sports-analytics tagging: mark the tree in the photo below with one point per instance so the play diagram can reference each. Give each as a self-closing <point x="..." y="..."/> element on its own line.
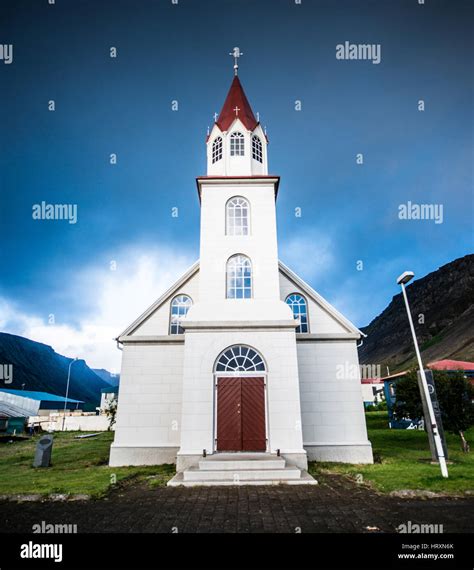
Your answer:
<point x="407" y="398"/>
<point x="111" y="412"/>
<point x="455" y="396"/>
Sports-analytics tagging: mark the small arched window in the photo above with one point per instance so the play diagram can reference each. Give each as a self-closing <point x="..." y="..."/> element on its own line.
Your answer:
<point x="257" y="152"/>
<point x="217" y="149"/>
<point x="240" y="358"/>
<point x="236" y="144"/>
<point x="237" y="217"/>
<point x="239" y="277"/>
<point x="300" y="311"/>
<point x="179" y="308"/>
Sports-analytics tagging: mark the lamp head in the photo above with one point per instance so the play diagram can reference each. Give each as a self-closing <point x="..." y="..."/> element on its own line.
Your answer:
<point x="405" y="277"/>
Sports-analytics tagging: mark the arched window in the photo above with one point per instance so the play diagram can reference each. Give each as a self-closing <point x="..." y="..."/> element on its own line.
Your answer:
<point x="179" y="308"/>
<point x="239" y="277"/>
<point x="237" y="217"/>
<point x="217" y="149"/>
<point x="236" y="144"/>
<point x="239" y="358"/>
<point x="300" y="311"/>
<point x="257" y="152"/>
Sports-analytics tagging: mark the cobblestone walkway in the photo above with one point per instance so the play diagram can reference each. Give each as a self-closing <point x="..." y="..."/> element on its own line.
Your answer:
<point x="336" y="505"/>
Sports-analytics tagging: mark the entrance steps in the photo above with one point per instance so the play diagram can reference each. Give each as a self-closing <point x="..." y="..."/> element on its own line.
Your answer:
<point x="242" y="469"/>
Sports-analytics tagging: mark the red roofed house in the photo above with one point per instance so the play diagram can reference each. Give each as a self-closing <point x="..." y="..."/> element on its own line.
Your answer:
<point x="452" y="365"/>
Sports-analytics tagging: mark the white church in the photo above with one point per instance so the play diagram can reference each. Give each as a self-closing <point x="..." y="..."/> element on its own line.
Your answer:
<point x="240" y="373"/>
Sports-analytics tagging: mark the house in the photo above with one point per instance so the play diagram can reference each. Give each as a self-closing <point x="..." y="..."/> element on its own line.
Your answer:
<point x="372" y="391"/>
<point x="107" y="396"/>
<point x="453" y="366"/>
<point x="240" y="356"/>
<point x="390" y="387"/>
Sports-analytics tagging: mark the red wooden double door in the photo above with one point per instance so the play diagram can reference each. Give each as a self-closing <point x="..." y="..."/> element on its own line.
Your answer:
<point x="241" y="414"/>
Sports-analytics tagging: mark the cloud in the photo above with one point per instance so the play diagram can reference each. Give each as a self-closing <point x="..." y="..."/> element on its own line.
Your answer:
<point x="310" y="254"/>
<point x="114" y="298"/>
<point x="365" y="294"/>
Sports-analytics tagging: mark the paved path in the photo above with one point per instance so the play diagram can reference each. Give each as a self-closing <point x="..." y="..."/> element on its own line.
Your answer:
<point x="336" y="505"/>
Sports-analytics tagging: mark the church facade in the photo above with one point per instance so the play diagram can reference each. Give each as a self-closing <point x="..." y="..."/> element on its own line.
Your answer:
<point x="240" y="355"/>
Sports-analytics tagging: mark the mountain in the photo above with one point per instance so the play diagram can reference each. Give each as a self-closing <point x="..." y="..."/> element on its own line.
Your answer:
<point x="444" y="300"/>
<point x="38" y="367"/>
<point x="112" y="379"/>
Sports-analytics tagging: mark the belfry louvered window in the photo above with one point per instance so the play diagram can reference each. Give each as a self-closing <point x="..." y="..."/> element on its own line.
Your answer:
<point x="237" y="144"/>
<point x="217" y="150"/>
<point x="257" y="152"/>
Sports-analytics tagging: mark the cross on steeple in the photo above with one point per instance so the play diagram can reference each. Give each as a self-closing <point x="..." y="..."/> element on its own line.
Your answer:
<point x="236" y="111"/>
<point x="215" y="116"/>
<point x="236" y="53"/>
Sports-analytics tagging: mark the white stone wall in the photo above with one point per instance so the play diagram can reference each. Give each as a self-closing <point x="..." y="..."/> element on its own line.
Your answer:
<point x="72" y="423"/>
<point x="332" y="411"/>
<point x="320" y="321"/>
<point x="158" y="323"/>
<point x="217" y="247"/>
<point x="149" y="406"/>
<point x="278" y="348"/>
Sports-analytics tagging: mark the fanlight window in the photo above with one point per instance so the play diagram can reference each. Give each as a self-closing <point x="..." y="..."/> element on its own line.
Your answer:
<point x="240" y="359"/>
<point x="217" y="150"/>
<point x="239" y="277"/>
<point x="236" y="144"/>
<point x="237" y="217"/>
<point x="300" y="311"/>
<point x="179" y="308"/>
<point x="257" y="152"/>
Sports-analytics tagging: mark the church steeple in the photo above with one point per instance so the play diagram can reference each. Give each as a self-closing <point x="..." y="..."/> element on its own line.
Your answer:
<point x="236" y="106"/>
<point x="237" y="144"/>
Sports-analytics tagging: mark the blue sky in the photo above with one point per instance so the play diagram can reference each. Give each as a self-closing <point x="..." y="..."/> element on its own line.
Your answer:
<point x="56" y="283"/>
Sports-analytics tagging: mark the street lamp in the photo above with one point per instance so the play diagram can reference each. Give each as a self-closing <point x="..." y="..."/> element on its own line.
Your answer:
<point x="67" y="389"/>
<point x="405" y="278"/>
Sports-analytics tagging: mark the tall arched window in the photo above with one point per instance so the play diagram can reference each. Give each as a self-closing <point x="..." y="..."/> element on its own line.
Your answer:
<point x="236" y="144"/>
<point x="237" y="217"/>
<point x="239" y="358"/>
<point x="300" y="311"/>
<point x="179" y="308"/>
<point x="239" y="277"/>
<point x="217" y="149"/>
<point x="257" y="152"/>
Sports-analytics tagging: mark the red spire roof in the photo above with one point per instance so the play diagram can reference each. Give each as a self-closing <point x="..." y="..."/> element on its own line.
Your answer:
<point x="236" y="98"/>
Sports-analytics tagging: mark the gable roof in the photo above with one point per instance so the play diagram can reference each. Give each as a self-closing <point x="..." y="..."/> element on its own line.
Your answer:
<point x="152" y="308"/>
<point x="316" y="297"/>
<point x="310" y="292"/>
<point x="451" y="365"/>
<point x="236" y="98"/>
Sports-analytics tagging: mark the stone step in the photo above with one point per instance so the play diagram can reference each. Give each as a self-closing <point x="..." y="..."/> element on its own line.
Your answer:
<point x="217" y="463"/>
<point x="178" y="481"/>
<point x="196" y="474"/>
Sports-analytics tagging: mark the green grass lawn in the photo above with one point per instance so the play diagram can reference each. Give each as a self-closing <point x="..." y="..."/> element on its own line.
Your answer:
<point x="79" y="466"/>
<point x="399" y="456"/>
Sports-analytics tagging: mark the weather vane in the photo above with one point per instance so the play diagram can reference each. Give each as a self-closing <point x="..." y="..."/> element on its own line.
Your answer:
<point x="236" y="53"/>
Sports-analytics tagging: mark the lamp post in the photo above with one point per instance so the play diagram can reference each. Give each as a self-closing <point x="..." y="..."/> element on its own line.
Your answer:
<point x="405" y="278"/>
<point x="67" y="389"/>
